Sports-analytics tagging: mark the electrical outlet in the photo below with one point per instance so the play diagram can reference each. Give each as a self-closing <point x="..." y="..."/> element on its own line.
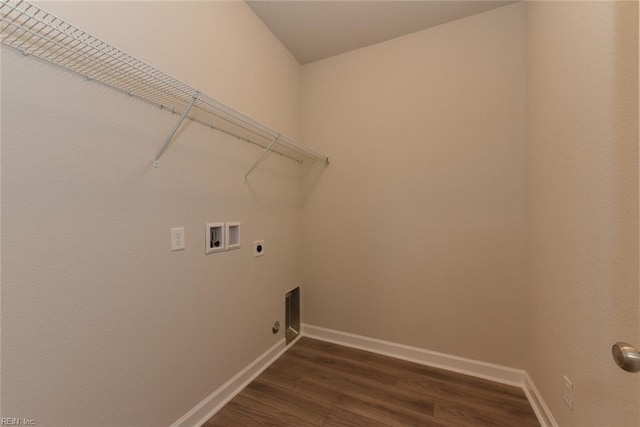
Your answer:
<point x="568" y="393"/>
<point x="258" y="248"/>
<point x="177" y="239"/>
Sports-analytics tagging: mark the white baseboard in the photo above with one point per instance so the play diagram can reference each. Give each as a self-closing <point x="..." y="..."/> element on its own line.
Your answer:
<point x="489" y="371"/>
<point x="227" y="391"/>
<point x="538" y="404"/>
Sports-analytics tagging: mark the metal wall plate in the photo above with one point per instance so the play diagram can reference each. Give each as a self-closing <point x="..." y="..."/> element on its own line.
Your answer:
<point x="292" y="315"/>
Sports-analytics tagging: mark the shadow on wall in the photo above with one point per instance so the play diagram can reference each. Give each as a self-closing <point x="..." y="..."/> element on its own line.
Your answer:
<point x="311" y="174"/>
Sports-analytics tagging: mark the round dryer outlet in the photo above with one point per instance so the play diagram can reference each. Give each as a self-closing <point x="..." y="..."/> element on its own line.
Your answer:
<point x="258" y="248"/>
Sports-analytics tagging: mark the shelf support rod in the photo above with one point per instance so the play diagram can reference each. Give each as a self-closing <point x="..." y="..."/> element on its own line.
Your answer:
<point x="264" y="153"/>
<point x="175" y="129"/>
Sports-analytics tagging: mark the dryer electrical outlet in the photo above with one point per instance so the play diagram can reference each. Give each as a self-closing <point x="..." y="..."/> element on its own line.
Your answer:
<point x="258" y="248"/>
<point x="214" y="237"/>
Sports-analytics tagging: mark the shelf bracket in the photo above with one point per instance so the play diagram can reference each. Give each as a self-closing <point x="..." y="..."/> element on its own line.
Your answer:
<point x="264" y="153"/>
<point x="175" y="129"/>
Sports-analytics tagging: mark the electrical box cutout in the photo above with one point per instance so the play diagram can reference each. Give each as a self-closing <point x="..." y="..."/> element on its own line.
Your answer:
<point x="292" y="315"/>
<point x="233" y="235"/>
<point x="214" y="237"/>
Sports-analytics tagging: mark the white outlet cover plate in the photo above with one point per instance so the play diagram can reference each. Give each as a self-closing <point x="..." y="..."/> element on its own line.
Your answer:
<point x="258" y="248"/>
<point x="178" y="241"/>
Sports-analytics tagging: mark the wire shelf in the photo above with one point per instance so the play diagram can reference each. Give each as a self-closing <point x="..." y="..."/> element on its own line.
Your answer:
<point x="34" y="31"/>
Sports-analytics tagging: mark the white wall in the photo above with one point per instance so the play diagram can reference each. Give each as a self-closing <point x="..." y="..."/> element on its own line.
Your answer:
<point x="582" y="204"/>
<point x="102" y="324"/>
<point x="415" y="233"/>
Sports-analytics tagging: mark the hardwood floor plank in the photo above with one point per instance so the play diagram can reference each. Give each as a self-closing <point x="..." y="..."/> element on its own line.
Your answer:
<point x="490" y="400"/>
<point x="432" y="375"/>
<point x="281" y="375"/>
<point x="327" y="384"/>
<point x="382" y="374"/>
<point x="442" y="388"/>
<point x="504" y="401"/>
<point x="469" y="416"/>
<point x="343" y="418"/>
<point x="227" y="417"/>
<point x="388" y="413"/>
<point x="244" y="411"/>
<point x="366" y="395"/>
<point x="303" y="407"/>
<point x="506" y="404"/>
<point x="318" y="383"/>
<point x="331" y="389"/>
<point x="361" y="356"/>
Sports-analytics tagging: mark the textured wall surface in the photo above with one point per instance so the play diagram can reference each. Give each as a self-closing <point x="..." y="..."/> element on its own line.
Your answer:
<point x="582" y="194"/>
<point x="415" y="233"/>
<point x="101" y="323"/>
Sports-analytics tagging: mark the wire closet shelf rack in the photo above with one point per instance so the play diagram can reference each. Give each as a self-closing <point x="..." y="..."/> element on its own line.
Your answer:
<point x="34" y="31"/>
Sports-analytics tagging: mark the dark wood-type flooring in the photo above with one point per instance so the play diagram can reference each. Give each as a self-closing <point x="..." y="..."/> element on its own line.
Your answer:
<point x="316" y="383"/>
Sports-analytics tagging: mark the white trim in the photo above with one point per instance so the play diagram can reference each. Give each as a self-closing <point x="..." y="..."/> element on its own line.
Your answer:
<point x="489" y="371"/>
<point x="545" y="417"/>
<point x="227" y="391"/>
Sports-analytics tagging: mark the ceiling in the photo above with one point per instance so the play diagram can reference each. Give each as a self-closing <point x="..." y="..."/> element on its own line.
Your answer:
<point x="317" y="29"/>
